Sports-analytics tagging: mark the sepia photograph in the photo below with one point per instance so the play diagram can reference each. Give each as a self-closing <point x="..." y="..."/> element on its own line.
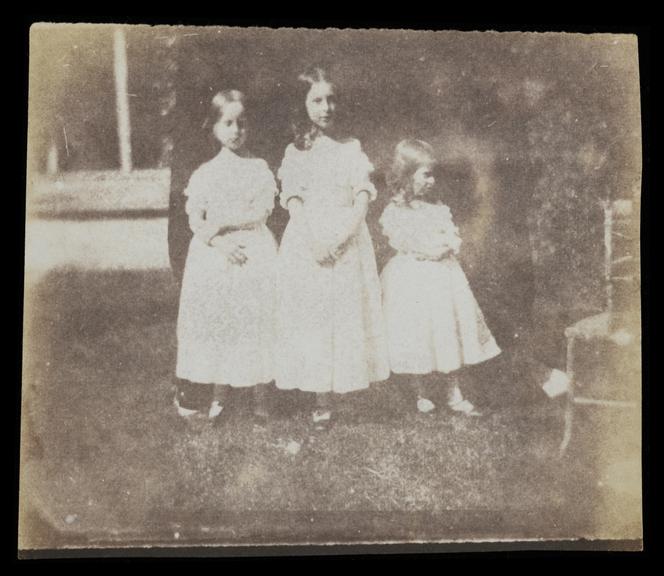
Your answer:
<point x="288" y="288"/>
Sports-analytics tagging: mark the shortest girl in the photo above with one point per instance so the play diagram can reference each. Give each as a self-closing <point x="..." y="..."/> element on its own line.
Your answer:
<point x="433" y="321"/>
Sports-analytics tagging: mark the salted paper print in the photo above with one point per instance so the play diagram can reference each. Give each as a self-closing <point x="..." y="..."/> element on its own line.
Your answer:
<point x="305" y="286"/>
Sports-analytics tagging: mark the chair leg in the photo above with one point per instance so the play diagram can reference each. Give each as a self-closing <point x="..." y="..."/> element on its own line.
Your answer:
<point x="569" y="407"/>
<point x="567" y="432"/>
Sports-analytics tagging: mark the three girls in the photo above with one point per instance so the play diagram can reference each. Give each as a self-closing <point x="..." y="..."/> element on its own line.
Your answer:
<point x="314" y="317"/>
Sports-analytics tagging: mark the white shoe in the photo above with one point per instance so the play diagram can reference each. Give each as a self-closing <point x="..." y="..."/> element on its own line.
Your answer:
<point x="322" y="419"/>
<point x="464" y="407"/>
<point x="557" y="384"/>
<point x="454" y="396"/>
<point x="425" y="405"/>
<point x="215" y="409"/>
<point x="321" y="416"/>
<point x="184" y="412"/>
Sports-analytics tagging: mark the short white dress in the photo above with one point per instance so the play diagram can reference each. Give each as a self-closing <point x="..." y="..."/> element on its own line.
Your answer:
<point x="225" y="327"/>
<point x="434" y="323"/>
<point x="330" y="328"/>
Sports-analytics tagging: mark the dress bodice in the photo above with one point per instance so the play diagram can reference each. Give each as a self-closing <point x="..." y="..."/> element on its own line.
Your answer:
<point x="329" y="174"/>
<point x="231" y="189"/>
<point x="420" y="226"/>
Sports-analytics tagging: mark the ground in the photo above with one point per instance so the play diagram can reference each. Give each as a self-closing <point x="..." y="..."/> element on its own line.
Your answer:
<point x="106" y="460"/>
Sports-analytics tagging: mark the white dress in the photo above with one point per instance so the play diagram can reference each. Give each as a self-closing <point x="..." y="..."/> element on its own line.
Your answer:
<point x="330" y="328"/>
<point x="225" y="326"/>
<point x="433" y="321"/>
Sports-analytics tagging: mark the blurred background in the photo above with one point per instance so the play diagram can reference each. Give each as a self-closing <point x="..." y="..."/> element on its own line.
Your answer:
<point x="533" y="130"/>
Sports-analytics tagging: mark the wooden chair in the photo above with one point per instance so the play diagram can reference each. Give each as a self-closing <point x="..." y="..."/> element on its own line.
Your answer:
<point x="615" y="326"/>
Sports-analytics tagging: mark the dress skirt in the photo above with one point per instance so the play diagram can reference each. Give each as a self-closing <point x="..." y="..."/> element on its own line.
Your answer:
<point x="434" y="323"/>
<point x="330" y="329"/>
<point x="226" y="321"/>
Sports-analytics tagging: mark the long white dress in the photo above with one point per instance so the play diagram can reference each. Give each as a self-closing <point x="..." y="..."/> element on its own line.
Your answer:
<point x="330" y="328"/>
<point x="434" y="323"/>
<point x="226" y="319"/>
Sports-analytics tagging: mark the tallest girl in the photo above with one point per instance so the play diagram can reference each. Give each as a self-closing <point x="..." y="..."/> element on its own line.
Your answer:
<point x="330" y="332"/>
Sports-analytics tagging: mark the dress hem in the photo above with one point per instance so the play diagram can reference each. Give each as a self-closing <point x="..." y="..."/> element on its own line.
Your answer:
<point x="331" y="389"/>
<point x="494" y="353"/>
<point x="216" y="382"/>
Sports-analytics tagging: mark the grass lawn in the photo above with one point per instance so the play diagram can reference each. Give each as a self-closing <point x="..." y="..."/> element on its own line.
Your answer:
<point x="106" y="461"/>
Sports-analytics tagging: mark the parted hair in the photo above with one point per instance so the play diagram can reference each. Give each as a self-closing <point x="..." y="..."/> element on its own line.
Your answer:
<point x="219" y="101"/>
<point x="215" y="111"/>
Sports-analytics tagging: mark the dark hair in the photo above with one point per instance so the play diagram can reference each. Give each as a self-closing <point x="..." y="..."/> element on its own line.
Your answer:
<point x="215" y="111"/>
<point x="409" y="155"/>
<point x="219" y="102"/>
<point x="304" y="132"/>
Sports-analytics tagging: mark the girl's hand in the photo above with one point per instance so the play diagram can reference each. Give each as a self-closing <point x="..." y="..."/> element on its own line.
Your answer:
<point x="319" y="246"/>
<point x="437" y="248"/>
<point x="237" y="255"/>
<point x="338" y="250"/>
<point x="232" y="250"/>
<point x="351" y="221"/>
<point x="321" y="252"/>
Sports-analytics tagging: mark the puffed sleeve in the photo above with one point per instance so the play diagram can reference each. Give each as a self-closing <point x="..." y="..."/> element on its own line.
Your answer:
<point x="196" y="205"/>
<point x="262" y="202"/>
<point x="290" y="176"/>
<point x="360" y="171"/>
<point x="400" y="236"/>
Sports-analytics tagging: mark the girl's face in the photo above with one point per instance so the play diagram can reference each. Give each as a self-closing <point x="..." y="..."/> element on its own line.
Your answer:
<point x="321" y="104"/>
<point x="231" y="128"/>
<point x="423" y="181"/>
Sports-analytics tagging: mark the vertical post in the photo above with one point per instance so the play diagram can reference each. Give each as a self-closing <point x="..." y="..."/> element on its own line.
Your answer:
<point x="569" y="406"/>
<point x="122" y="98"/>
<point x="52" y="164"/>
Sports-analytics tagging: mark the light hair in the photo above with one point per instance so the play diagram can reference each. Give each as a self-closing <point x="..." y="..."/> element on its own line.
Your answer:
<point x="409" y="156"/>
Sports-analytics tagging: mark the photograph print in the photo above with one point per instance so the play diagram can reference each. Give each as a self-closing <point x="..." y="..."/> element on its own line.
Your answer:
<point x="330" y="286"/>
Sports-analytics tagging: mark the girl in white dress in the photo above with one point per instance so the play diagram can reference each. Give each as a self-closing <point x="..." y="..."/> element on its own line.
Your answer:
<point x="330" y="328"/>
<point x="434" y="324"/>
<point x="225" y="326"/>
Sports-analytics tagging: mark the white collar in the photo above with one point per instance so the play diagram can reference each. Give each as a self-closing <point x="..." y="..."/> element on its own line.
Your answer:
<point x="227" y="154"/>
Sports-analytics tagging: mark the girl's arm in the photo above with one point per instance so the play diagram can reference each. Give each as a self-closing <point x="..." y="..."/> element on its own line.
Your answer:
<point x="290" y="176"/>
<point x="412" y="236"/>
<point x="201" y="227"/>
<point x="435" y="249"/>
<point x="321" y="251"/>
<point x="397" y="229"/>
<point x="256" y="214"/>
<point x="351" y="225"/>
<point x="295" y="206"/>
<point x="441" y="242"/>
<point x="293" y="192"/>
<point x="196" y="209"/>
<point x="359" y="169"/>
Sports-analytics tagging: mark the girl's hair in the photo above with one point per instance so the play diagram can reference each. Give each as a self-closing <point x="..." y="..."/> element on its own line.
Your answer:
<point x="219" y="101"/>
<point x="409" y="155"/>
<point x="215" y="111"/>
<point x="304" y="131"/>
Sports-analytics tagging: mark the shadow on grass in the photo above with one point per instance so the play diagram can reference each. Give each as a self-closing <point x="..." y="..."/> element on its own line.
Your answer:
<point x="105" y="460"/>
